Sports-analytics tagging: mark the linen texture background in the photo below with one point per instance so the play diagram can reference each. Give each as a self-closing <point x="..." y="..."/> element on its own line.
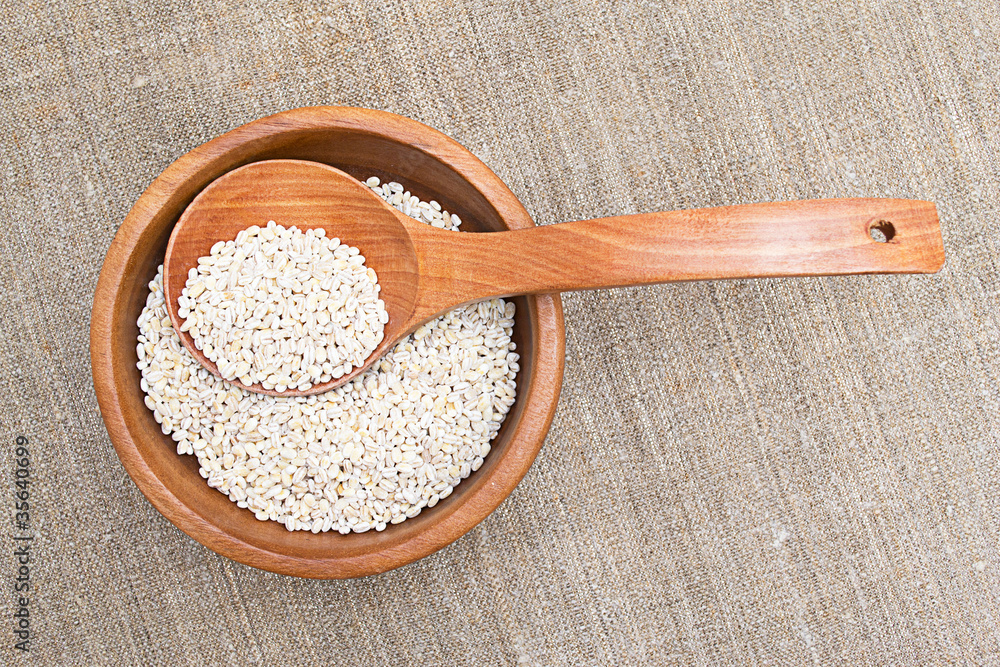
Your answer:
<point x="798" y="471"/>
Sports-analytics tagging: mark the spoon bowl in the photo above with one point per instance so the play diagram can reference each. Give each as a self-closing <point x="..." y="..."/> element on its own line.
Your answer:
<point x="308" y="195"/>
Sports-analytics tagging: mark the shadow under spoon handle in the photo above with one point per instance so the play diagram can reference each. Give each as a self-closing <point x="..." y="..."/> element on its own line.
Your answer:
<point x="781" y="239"/>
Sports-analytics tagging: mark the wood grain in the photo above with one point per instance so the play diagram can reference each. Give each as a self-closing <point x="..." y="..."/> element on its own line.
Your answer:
<point x="361" y="143"/>
<point x="770" y="240"/>
<point x="424" y="271"/>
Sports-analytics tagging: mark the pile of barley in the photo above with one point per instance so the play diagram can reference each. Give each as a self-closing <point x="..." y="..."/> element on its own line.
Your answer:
<point x="376" y="451"/>
<point x="283" y="308"/>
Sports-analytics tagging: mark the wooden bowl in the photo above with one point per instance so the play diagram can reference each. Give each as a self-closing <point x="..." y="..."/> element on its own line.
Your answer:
<point x="363" y="143"/>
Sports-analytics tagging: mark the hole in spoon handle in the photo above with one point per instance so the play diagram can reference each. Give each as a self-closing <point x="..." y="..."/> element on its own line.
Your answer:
<point x="881" y="231"/>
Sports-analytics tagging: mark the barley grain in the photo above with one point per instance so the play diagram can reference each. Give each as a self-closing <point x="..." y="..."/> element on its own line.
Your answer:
<point x="374" y="452"/>
<point x="310" y="294"/>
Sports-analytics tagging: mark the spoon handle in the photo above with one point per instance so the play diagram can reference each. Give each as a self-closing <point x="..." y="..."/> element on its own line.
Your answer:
<point x="782" y="239"/>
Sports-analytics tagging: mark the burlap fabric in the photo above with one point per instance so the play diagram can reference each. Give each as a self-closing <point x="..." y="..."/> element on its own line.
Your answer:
<point x="749" y="472"/>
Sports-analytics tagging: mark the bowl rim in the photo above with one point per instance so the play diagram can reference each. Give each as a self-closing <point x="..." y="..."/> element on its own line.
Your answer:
<point x="109" y="377"/>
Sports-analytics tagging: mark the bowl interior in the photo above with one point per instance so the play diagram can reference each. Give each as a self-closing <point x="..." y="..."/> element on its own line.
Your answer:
<point x="361" y="154"/>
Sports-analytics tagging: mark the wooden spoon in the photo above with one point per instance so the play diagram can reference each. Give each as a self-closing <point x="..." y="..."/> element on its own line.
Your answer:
<point x="424" y="271"/>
